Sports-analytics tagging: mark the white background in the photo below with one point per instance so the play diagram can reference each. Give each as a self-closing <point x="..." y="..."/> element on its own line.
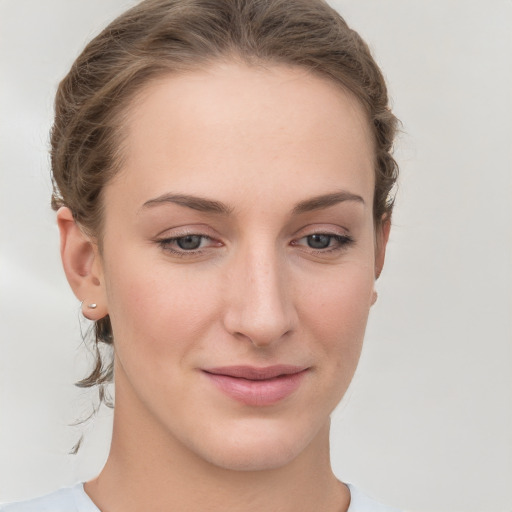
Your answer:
<point x="427" y="424"/>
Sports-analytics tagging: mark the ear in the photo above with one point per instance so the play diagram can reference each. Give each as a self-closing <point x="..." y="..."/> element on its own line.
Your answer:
<point x="381" y="241"/>
<point x="82" y="265"/>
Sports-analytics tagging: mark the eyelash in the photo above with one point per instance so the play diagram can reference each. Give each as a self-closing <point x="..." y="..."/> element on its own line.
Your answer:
<point x="341" y="242"/>
<point x="166" y="245"/>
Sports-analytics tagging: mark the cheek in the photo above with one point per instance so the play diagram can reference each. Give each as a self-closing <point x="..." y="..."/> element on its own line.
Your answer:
<point x="337" y="311"/>
<point x="155" y="310"/>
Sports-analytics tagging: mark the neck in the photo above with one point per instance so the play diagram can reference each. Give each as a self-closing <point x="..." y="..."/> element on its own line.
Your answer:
<point x="149" y="469"/>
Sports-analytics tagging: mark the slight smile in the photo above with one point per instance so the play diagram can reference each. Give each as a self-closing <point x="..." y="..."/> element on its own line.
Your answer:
<point x="257" y="386"/>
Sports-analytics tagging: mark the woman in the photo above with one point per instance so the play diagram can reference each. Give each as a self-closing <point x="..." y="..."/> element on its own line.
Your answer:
<point x="222" y="175"/>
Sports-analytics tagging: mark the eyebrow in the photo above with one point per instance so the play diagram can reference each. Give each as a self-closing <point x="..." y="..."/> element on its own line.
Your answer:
<point x="326" y="200"/>
<point x="195" y="203"/>
<point x="211" y="206"/>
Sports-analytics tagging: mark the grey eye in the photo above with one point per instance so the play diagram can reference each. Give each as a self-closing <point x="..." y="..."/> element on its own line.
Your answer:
<point x="189" y="242"/>
<point x="319" y="241"/>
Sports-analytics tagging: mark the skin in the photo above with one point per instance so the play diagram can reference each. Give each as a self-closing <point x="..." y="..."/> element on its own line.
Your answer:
<point x="263" y="142"/>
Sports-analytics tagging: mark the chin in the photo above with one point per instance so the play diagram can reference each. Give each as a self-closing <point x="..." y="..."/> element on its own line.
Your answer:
<point x="263" y="447"/>
<point x="260" y="459"/>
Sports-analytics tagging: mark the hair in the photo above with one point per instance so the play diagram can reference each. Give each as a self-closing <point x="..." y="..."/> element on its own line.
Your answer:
<point x="160" y="37"/>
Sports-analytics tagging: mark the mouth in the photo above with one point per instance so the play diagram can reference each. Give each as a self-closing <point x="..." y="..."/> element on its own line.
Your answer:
<point x="257" y="386"/>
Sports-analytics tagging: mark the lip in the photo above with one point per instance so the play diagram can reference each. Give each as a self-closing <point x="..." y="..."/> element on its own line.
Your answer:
<point x="257" y="386"/>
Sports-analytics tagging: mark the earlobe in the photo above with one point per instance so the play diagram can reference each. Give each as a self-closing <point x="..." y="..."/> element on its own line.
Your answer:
<point x="381" y="241"/>
<point x="82" y="266"/>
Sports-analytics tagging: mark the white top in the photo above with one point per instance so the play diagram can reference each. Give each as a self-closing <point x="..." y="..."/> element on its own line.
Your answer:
<point x="74" y="499"/>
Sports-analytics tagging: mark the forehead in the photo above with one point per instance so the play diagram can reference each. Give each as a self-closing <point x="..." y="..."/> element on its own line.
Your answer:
<point x="235" y="124"/>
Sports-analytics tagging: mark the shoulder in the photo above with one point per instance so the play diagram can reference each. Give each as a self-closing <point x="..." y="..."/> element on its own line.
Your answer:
<point x="70" y="499"/>
<point x="359" y="502"/>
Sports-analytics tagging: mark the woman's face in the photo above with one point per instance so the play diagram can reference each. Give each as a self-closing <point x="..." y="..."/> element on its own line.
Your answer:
<point x="238" y="260"/>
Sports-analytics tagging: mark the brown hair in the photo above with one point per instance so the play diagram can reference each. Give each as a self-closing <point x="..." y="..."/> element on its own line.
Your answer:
<point x="158" y="37"/>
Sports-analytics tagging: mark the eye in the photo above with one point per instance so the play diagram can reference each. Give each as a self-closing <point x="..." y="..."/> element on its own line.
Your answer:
<point x="189" y="242"/>
<point x="318" y="241"/>
<point x="187" y="245"/>
<point x="324" y="242"/>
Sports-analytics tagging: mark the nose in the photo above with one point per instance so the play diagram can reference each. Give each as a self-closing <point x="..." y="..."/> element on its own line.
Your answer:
<point x="259" y="305"/>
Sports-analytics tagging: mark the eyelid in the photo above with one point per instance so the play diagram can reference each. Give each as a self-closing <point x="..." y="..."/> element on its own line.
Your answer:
<point x="342" y="239"/>
<point x="186" y="230"/>
<point x="339" y="234"/>
<point x="167" y="240"/>
<point x="321" y="228"/>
